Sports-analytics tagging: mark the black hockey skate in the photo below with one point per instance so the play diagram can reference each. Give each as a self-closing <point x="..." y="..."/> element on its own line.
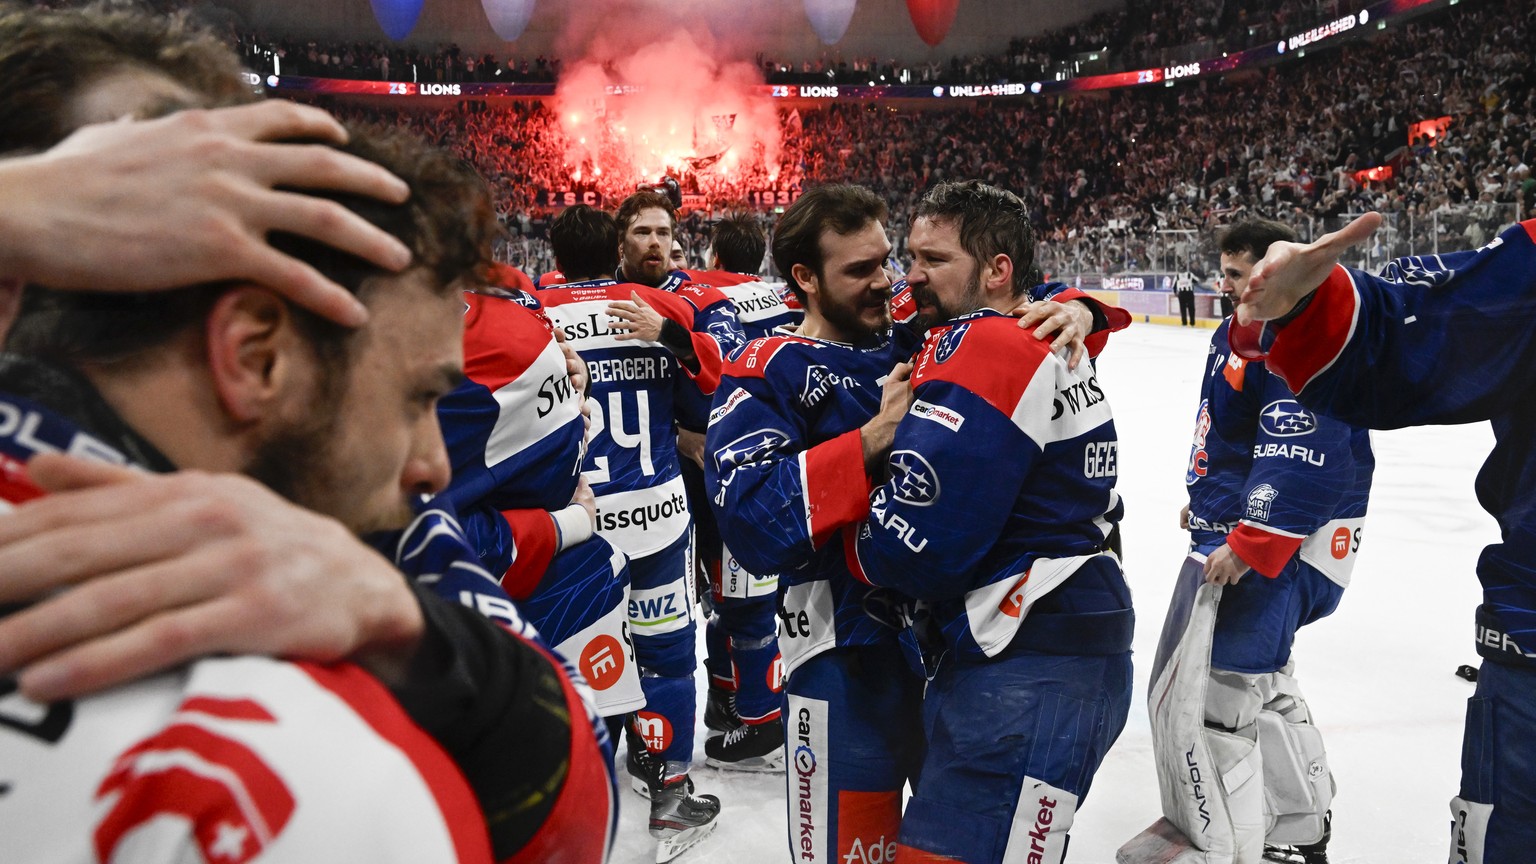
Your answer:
<point x="1305" y="853"/>
<point x="757" y="747"/>
<point x="679" y="818"/>
<point x="640" y="764"/>
<point x="720" y="709"/>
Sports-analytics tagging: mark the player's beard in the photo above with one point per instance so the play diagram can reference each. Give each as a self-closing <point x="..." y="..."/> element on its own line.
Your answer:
<point x="645" y="272"/>
<point x="970" y="301"/>
<point x="857" y="319"/>
<point x="299" y="461"/>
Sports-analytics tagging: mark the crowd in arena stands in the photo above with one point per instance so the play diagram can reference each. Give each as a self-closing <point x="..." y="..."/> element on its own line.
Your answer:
<point x="1139" y="36"/>
<point x="1107" y="173"/>
<point x="380" y="61"/>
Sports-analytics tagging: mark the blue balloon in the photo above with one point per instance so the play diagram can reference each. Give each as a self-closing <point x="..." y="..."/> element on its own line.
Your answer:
<point x="397" y="17"/>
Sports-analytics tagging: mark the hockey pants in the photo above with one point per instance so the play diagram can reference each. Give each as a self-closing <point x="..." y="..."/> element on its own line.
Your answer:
<point x="1493" y="819"/>
<point x="662" y="623"/>
<point x="1013" y="744"/>
<point x="853" y="738"/>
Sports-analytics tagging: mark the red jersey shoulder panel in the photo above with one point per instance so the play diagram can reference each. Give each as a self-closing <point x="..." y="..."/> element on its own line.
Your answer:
<point x="501" y="339"/>
<point x="989" y="356"/>
<point x="753" y="360"/>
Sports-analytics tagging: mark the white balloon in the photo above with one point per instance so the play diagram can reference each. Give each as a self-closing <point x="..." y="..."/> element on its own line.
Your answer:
<point x="508" y="17"/>
<point x="829" y="18"/>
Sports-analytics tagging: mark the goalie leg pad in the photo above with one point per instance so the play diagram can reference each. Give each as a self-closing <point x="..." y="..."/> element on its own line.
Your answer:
<point x="1298" y="783"/>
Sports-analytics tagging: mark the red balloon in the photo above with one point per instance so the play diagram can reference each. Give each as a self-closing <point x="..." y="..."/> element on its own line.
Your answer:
<point x="933" y="18"/>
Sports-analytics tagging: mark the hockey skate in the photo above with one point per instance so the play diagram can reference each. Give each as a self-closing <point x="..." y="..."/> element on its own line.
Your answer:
<point x="720" y="709"/>
<point x="757" y="747"/>
<point x="1304" y="853"/>
<point x="679" y="818"/>
<point x="640" y="763"/>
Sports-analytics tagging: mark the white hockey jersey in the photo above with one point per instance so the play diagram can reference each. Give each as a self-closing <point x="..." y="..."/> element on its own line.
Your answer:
<point x="228" y="761"/>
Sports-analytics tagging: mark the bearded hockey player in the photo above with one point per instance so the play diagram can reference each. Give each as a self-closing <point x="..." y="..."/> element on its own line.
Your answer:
<point x="241" y="758"/>
<point x="1026" y="605"/>
<point x="796" y="421"/>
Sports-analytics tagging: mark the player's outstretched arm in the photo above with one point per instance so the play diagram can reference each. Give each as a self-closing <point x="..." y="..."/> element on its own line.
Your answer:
<point x="1291" y="271"/>
<point x="134" y="573"/>
<point x="189" y="198"/>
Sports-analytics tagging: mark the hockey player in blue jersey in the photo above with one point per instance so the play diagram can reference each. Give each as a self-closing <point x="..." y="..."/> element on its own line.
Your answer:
<point x="1022" y="601"/>
<point x="799" y="424"/>
<point x="1442" y="339"/>
<point x="653" y="358"/>
<point x="796" y="425"/>
<point x="1278" y="492"/>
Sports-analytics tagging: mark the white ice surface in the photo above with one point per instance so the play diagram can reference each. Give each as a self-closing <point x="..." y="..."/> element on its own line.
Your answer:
<point x="1378" y="673"/>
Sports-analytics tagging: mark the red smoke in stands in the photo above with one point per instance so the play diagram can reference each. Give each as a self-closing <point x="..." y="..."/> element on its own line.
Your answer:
<point x="656" y="92"/>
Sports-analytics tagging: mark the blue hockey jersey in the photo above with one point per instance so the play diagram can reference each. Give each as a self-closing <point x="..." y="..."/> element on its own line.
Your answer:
<point x="1271" y="477"/>
<point x="639" y="389"/>
<point x="1001" y="488"/>
<point x="784" y="468"/>
<point x="1441" y="339"/>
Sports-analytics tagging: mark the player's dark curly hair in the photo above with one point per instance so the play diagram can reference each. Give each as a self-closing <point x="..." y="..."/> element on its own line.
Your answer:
<point x="448" y="223"/>
<point x="837" y="207"/>
<point x="991" y="221"/>
<point x="645" y="199"/>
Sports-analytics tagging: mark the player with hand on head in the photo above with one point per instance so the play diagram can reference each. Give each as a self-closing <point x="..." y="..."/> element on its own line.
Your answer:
<point x="226" y="377"/>
<point x="207" y="575"/>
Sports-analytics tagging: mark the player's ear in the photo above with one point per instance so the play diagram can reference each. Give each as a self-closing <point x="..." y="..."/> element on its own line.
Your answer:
<point x="997" y="276"/>
<point x="806" y="278"/>
<point x="256" y="354"/>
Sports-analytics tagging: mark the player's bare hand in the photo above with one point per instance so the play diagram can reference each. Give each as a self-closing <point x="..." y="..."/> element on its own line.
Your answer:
<point x="1290" y="271"/>
<point x="1184" y="517"/>
<point x="132" y="573"/>
<point x="1223" y="567"/>
<point x="1065" y="324"/>
<point x="586" y="499"/>
<point x="575" y="367"/>
<point x="878" y="434"/>
<point x="636" y="319"/>
<point x="690" y="445"/>
<point x="189" y="198"/>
